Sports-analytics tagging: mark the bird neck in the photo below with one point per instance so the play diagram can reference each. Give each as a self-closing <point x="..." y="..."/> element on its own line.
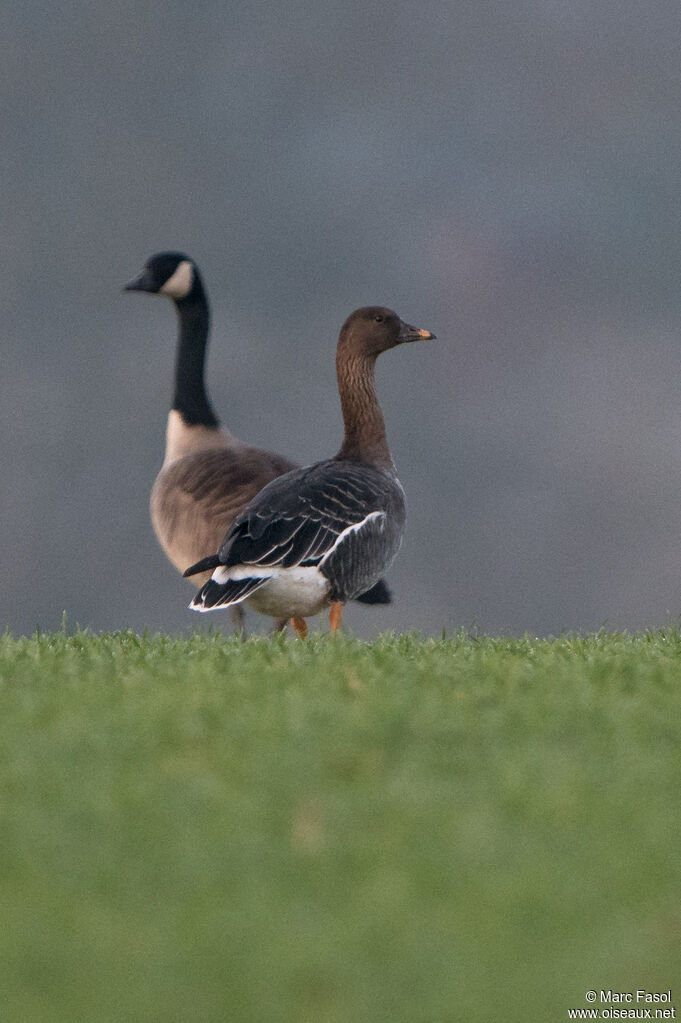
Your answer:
<point x="190" y="398"/>
<point x="365" y="438"/>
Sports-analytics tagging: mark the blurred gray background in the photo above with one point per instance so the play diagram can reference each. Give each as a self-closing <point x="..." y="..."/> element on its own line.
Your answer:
<point x="507" y="175"/>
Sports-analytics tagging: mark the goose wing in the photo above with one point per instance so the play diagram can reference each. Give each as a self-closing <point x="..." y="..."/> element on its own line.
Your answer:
<point x="345" y="518"/>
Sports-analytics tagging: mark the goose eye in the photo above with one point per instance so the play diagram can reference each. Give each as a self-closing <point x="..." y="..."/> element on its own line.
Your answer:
<point x="379" y="318"/>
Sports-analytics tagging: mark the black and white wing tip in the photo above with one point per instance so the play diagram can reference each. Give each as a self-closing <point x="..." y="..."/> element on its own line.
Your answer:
<point x="221" y="591"/>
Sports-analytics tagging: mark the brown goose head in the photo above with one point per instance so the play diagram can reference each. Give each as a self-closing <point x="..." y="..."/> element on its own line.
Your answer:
<point x="374" y="329"/>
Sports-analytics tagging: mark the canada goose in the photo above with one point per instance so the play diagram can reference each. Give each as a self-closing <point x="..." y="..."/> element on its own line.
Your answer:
<point x="319" y="536"/>
<point x="208" y="475"/>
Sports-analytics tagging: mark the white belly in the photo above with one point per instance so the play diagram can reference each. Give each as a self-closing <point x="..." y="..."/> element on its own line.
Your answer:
<point x="290" y="592"/>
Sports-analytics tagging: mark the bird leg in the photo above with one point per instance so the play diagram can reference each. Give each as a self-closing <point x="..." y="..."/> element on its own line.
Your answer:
<point x="279" y="625"/>
<point x="237" y="614"/>
<point x="299" y="626"/>
<point x="336" y="615"/>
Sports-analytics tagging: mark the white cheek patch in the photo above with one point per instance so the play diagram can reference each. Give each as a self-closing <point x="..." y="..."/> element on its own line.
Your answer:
<point x="180" y="283"/>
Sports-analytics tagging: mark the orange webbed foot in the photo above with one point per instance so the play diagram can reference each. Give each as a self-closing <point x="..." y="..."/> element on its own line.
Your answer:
<point x="299" y="626"/>
<point x="336" y="616"/>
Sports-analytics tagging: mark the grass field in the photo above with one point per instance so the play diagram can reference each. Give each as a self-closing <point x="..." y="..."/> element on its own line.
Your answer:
<point x="403" y="831"/>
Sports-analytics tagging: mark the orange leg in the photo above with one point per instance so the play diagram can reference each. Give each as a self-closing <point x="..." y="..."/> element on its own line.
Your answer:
<point x="336" y="615"/>
<point x="299" y="627"/>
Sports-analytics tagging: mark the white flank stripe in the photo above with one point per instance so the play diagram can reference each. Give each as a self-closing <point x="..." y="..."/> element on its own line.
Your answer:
<point x="179" y="284"/>
<point x="223" y="574"/>
<point x="351" y="529"/>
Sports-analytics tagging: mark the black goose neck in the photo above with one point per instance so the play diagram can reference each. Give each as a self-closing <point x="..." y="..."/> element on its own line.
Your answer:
<point x="190" y="398"/>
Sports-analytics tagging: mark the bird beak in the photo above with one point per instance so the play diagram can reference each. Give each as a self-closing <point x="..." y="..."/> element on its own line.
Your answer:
<point x="408" y="333"/>
<point x="140" y="283"/>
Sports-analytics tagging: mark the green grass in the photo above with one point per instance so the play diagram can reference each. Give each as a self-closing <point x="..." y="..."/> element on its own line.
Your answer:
<point x="403" y="831"/>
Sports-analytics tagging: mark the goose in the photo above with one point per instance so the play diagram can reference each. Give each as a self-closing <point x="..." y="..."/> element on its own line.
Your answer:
<point x="208" y="475"/>
<point x="319" y="536"/>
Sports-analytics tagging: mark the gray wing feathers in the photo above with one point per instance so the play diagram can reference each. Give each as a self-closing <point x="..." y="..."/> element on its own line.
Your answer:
<point x="335" y="514"/>
<point x="361" y="555"/>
